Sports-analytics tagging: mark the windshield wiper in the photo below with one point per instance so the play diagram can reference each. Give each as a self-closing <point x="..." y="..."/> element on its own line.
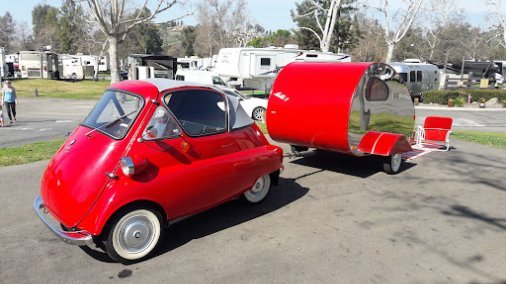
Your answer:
<point x="110" y="123"/>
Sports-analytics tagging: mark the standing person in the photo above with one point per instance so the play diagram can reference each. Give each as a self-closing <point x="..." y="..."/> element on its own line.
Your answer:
<point x="10" y="100"/>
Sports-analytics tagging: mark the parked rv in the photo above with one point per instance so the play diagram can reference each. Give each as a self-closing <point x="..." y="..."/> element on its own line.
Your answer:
<point x="145" y="66"/>
<point x="91" y="60"/>
<point x="194" y="63"/>
<point x="257" y="68"/>
<point x="38" y="64"/>
<point x="419" y="77"/>
<point x="199" y="76"/>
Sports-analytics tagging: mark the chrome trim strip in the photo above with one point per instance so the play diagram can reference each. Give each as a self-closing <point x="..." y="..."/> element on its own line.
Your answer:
<point x="78" y="238"/>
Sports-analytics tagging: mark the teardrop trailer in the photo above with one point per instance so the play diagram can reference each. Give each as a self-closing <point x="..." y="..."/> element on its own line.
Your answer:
<point x="154" y="151"/>
<point x="351" y="108"/>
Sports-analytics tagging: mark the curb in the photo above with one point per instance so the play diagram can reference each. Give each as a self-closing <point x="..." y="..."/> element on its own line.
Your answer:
<point x="458" y="108"/>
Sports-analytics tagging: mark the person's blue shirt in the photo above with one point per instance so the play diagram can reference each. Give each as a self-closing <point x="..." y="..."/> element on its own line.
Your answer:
<point x="8" y="95"/>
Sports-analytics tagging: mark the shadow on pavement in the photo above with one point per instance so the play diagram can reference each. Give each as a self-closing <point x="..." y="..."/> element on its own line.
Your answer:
<point x="465" y="212"/>
<point x="222" y="217"/>
<point x="362" y="167"/>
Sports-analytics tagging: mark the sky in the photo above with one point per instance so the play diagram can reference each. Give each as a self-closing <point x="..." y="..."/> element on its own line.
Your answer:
<point x="271" y="14"/>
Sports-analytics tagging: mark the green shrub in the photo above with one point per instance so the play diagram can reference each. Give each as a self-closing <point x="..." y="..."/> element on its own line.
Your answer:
<point x="459" y="101"/>
<point x="442" y="96"/>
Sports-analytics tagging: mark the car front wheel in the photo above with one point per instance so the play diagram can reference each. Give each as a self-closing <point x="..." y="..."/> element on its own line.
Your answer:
<point x="134" y="234"/>
<point x="259" y="190"/>
<point x="258" y="114"/>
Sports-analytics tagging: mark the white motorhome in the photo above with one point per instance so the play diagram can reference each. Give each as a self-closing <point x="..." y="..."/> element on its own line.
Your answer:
<point x="257" y="68"/>
<point x="38" y="64"/>
<point x="419" y="77"/>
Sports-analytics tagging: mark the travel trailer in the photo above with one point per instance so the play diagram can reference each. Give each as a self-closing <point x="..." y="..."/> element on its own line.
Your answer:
<point x="195" y="63"/>
<point x="38" y="64"/>
<point x="71" y="67"/>
<point x="3" y="66"/>
<point x="199" y="76"/>
<point x="257" y="68"/>
<point x="419" y="77"/>
<point x="145" y="66"/>
<point x="104" y="64"/>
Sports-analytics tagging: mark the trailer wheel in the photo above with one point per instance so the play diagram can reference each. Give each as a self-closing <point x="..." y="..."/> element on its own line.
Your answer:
<point x="134" y="234"/>
<point x="392" y="164"/>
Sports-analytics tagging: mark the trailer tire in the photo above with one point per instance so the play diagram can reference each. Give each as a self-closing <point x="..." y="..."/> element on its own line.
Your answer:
<point x="392" y="164"/>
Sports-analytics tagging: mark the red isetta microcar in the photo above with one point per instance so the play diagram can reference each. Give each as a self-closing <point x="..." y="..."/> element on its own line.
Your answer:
<point x="148" y="153"/>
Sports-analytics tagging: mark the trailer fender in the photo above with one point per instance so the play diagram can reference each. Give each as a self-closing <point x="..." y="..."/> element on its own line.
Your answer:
<point x="383" y="143"/>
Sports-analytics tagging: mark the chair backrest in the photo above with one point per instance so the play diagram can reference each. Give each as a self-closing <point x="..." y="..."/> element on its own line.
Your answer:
<point x="436" y="127"/>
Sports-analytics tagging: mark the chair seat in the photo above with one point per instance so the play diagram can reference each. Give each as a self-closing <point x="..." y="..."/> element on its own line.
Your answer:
<point x="435" y="133"/>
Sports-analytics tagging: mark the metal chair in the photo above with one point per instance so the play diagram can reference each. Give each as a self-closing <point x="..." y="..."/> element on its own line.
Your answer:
<point x="435" y="133"/>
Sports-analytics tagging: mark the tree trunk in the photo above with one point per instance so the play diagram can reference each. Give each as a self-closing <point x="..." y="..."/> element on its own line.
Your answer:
<point x="113" y="53"/>
<point x="390" y="52"/>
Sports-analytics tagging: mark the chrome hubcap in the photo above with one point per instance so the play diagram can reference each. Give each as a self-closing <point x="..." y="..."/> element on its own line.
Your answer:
<point x="258" y="114"/>
<point x="259" y="185"/>
<point x="136" y="234"/>
<point x="396" y="162"/>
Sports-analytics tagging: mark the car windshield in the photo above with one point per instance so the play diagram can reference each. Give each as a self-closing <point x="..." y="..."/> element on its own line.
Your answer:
<point x="114" y="113"/>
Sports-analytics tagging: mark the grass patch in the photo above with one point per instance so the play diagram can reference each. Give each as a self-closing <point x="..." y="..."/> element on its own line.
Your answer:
<point x="494" y="139"/>
<point x="263" y="127"/>
<point x="29" y="153"/>
<point x="85" y="89"/>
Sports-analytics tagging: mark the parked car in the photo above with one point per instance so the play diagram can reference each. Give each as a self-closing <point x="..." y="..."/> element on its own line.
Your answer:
<point x="254" y="106"/>
<point x="151" y="152"/>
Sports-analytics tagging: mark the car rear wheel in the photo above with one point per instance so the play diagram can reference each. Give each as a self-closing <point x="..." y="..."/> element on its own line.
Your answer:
<point x="258" y="114"/>
<point x="259" y="190"/>
<point x="134" y="234"/>
<point x="392" y="164"/>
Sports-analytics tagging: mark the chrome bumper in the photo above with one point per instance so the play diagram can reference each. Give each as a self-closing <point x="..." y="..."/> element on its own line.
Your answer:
<point x="79" y="238"/>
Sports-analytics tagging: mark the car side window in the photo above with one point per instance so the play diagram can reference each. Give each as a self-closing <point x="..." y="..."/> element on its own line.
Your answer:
<point x="161" y="125"/>
<point x="199" y="112"/>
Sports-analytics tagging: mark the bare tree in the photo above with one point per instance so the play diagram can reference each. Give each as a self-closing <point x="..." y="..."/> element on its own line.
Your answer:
<point x="499" y="22"/>
<point x="326" y="27"/>
<point x="115" y="22"/>
<point x="437" y="14"/>
<point x="223" y="23"/>
<point x="397" y="24"/>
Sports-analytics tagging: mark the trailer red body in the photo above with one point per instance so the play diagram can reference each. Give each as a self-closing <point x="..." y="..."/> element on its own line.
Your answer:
<point x="353" y="108"/>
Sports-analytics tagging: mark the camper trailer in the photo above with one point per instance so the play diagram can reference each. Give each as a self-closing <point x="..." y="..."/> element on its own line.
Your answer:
<point x="257" y="68"/>
<point x="38" y="64"/>
<point x="3" y="66"/>
<point x="419" y="77"/>
<point x="71" y="67"/>
<point x="194" y="63"/>
<point x="104" y="64"/>
<point x="145" y="66"/>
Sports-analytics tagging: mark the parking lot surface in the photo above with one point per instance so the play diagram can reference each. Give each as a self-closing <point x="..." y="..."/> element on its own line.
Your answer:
<point x="332" y="219"/>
